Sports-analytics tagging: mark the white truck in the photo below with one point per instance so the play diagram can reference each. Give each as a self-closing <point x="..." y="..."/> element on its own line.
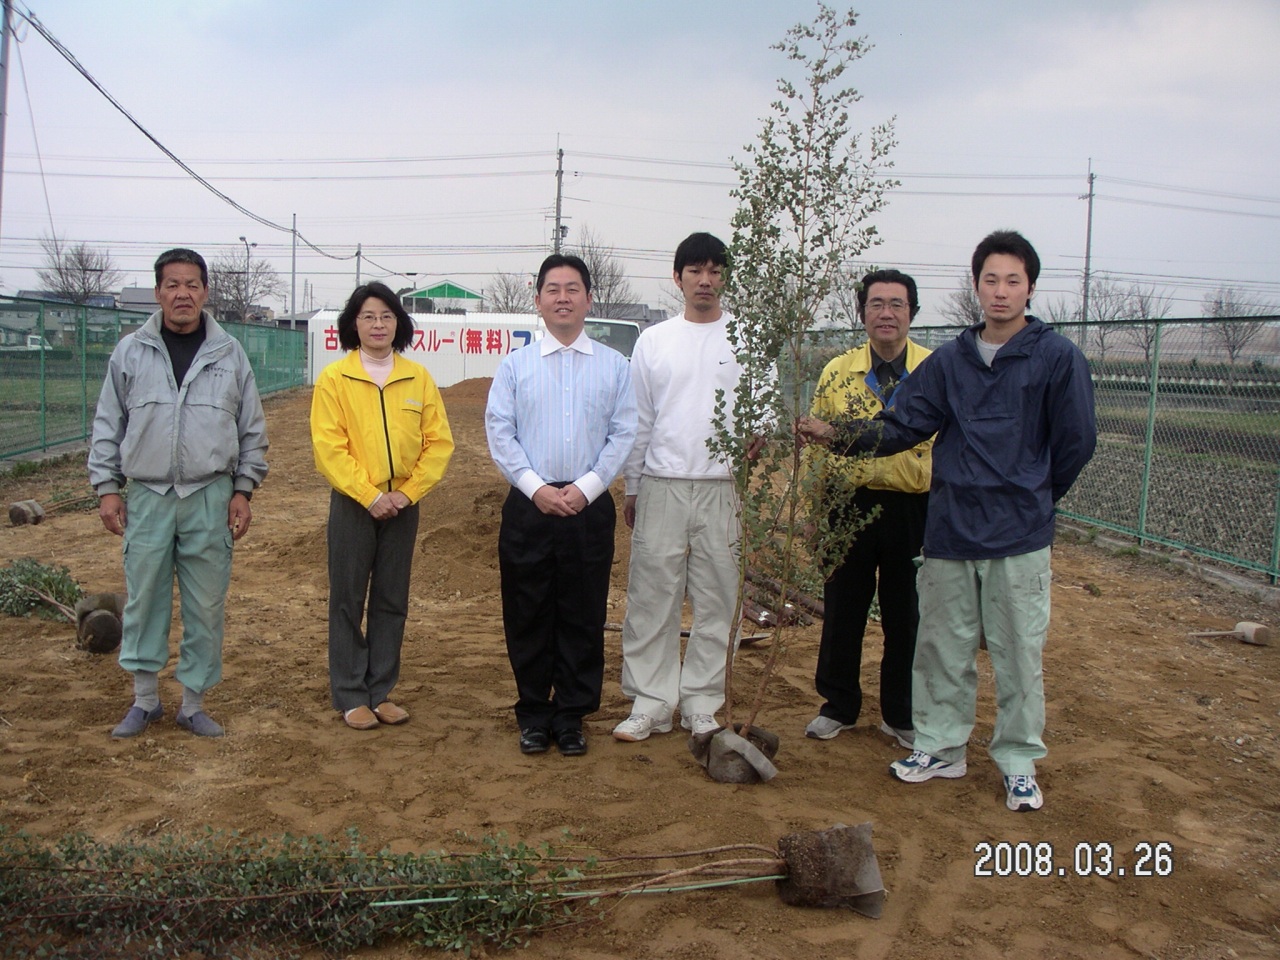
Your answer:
<point x="32" y="342"/>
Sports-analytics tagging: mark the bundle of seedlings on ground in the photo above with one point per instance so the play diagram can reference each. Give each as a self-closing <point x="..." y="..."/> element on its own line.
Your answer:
<point x="223" y="895"/>
<point x="28" y="586"/>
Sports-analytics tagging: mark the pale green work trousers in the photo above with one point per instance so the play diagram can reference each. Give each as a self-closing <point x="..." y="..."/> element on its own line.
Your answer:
<point x="1007" y="600"/>
<point x="165" y="534"/>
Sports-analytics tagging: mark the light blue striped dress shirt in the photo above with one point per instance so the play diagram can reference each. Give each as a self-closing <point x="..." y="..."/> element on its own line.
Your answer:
<point x="562" y="414"/>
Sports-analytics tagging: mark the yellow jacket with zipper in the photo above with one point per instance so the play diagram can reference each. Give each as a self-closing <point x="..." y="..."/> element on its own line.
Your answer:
<point x="843" y="393"/>
<point x="369" y="441"/>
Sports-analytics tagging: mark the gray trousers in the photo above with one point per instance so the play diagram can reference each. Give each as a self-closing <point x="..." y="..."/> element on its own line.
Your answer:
<point x="370" y="558"/>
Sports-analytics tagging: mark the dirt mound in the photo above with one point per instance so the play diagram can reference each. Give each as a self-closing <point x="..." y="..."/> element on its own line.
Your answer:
<point x="477" y="388"/>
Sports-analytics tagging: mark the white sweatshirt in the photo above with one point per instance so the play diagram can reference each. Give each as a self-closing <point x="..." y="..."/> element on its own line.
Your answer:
<point x="676" y="368"/>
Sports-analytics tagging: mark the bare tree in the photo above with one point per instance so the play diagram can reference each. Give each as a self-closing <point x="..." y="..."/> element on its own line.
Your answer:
<point x="670" y="298"/>
<point x="1063" y="312"/>
<point x="1224" y="307"/>
<point x="610" y="289"/>
<point x="1061" y="309"/>
<point x="75" y="272"/>
<point x="842" y="301"/>
<point x="1108" y="302"/>
<point x="961" y="308"/>
<point x="1147" y="306"/>
<point x="238" y="284"/>
<point x="510" y="293"/>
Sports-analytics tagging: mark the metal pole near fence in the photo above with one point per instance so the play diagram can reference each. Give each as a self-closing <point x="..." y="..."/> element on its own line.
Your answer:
<point x="1149" y="439"/>
<point x="1272" y="577"/>
<point x="82" y="339"/>
<point x="44" y="391"/>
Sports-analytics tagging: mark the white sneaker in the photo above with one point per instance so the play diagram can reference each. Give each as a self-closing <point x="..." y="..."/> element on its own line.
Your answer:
<point x="920" y="767"/>
<point x="905" y="738"/>
<point x="700" y="723"/>
<point x="638" y="726"/>
<point x="1022" y="794"/>
<point x="825" y="728"/>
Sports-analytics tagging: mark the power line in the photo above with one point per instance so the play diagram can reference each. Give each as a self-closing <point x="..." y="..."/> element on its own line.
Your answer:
<point x="298" y="178"/>
<point x="83" y="71"/>
<point x="1182" y="206"/>
<point x="1192" y="190"/>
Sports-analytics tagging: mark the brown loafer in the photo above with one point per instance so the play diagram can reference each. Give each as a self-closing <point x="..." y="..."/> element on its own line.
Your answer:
<point x="361" y="718"/>
<point x="388" y="712"/>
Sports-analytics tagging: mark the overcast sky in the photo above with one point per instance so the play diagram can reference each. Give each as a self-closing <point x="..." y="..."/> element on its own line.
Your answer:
<point x="427" y="132"/>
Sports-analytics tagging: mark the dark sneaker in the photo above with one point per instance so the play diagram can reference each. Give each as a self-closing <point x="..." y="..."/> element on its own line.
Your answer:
<point x="201" y="724"/>
<point x="571" y="743"/>
<point x="535" y="740"/>
<point x="135" y="721"/>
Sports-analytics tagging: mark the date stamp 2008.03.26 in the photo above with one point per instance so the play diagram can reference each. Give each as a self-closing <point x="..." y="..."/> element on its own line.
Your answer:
<point x="1025" y="859"/>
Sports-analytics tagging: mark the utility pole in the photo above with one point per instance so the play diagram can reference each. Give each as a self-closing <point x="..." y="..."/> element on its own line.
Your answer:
<point x="555" y="237"/>
<point x="4" y="83"/>
<point x="1088" y="251"/>
<point x="293" y="282"/>
<point x="357" y="264"/>
<point x="248" y="269"/>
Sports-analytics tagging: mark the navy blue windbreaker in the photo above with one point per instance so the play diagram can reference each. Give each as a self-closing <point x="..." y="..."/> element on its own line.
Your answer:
<point x="1012" y="438"/>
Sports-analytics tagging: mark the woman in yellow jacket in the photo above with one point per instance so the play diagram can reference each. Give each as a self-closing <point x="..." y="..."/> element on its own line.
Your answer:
<point x="381" y="439"/>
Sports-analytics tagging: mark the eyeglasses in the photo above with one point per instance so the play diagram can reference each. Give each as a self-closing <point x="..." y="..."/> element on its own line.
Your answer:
<point x="897" y="305"/>
<point x="387" y="318"/>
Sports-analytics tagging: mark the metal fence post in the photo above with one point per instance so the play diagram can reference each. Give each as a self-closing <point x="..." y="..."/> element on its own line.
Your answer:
<point x="1149" y="440"/>
<point x="44" y="391"/>
<point x="82" y="342"/>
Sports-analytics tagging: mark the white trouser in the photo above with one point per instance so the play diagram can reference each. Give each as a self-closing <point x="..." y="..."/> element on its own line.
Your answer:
<point x="685" y="539"/>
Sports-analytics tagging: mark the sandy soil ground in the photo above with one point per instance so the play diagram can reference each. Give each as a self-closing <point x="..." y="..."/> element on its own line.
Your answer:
<point x="1153" y="738"/>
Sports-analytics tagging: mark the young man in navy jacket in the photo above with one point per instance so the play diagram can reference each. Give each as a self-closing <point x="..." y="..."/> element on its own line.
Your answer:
<point x="1012" y="405"/>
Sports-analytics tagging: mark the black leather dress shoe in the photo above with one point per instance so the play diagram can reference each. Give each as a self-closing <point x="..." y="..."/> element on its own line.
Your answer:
<point x="535" y="740"/>
<point x="572" y="743"/>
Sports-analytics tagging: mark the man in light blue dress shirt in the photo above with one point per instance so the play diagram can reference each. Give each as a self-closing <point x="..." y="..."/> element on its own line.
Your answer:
<point x="561" y="420"/>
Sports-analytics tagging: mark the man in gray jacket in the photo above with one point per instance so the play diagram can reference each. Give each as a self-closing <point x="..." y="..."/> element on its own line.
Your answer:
<point x="179" y="416"/>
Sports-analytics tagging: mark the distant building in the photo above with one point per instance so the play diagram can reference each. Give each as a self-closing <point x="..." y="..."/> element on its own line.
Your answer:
<point x="298" y="321"/>
<point x="105" y="300"/>
<point x="138" y="298"/>
<point x="443" y="297"/>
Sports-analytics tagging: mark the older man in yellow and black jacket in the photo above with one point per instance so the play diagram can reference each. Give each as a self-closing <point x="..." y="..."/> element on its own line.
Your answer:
<point x="860" y="383"/>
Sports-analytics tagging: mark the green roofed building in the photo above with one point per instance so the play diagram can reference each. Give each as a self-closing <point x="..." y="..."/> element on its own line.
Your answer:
<point x="443" y="297"/>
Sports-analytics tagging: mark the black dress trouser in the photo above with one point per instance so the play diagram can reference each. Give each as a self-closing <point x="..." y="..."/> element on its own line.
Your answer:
<point x="555" y="593"/>
<point x="888" y="546"/>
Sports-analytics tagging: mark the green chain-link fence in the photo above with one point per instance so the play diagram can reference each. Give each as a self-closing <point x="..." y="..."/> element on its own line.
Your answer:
<point x="1188" y="418"/>
<point x="1188" y="436"/>
<point x="1188" y="414"/>
<point x="53" y="357"/>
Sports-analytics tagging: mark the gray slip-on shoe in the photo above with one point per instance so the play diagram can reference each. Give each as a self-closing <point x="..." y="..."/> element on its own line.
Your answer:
<point x="201" y="724"/>
<point x="135" y="721"/>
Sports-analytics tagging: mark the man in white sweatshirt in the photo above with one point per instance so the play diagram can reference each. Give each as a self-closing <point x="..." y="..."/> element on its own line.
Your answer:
<point x="682" y="509"/>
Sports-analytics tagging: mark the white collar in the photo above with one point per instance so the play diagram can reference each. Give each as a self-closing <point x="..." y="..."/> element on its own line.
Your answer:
<point x="551" y="345"/>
